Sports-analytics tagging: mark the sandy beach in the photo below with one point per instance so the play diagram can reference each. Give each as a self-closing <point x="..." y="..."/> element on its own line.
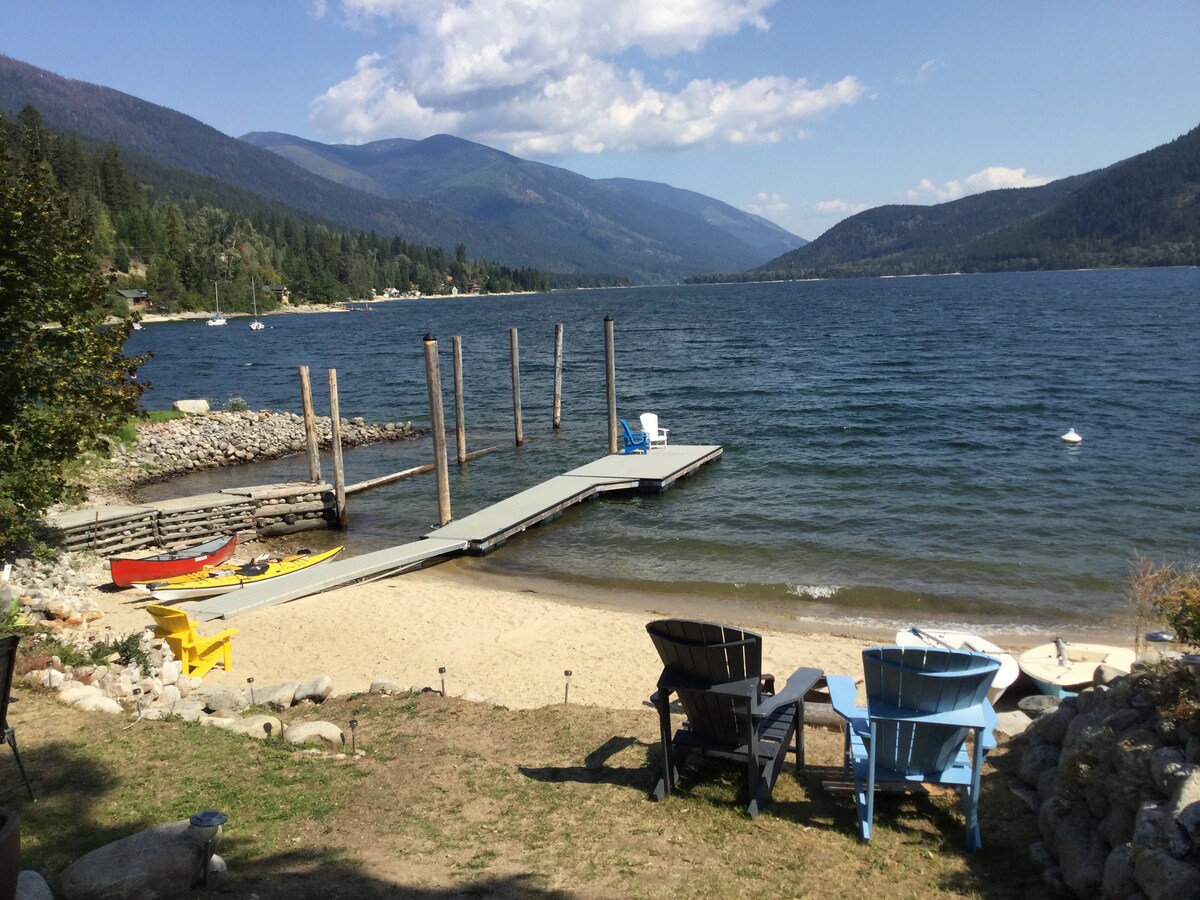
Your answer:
<point x="500" y="640"/>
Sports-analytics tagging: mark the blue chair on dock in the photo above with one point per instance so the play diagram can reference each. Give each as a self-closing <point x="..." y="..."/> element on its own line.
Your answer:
<point x="635" y="441"/>
<point x="922" y="705"/>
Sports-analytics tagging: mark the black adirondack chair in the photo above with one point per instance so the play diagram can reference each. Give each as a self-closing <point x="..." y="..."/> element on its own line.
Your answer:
<point x="716" y="672"/>
<point x="8" y="659"/>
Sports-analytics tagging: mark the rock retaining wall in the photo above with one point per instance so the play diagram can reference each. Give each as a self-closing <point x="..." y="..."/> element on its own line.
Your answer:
<point x="234" y="438"/>
<point x="1115" y="783"/>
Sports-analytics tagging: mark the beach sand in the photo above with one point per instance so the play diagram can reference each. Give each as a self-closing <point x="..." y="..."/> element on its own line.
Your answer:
<point x="504" y="640"/>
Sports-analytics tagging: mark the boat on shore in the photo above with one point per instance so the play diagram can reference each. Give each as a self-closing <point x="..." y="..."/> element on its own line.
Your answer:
<point x="217" y="580"/>
<point x="127" y="570"/>
<point x="961" y="640"/>
<point x="1062" y="668"/>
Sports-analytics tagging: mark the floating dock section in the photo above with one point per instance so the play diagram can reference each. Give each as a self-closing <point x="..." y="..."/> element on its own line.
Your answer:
<point x="649" y="472"/>
<point x="478" y="533"/>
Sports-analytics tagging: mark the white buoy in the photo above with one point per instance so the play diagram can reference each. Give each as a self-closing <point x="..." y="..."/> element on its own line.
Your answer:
<point x="1071" y="437"/>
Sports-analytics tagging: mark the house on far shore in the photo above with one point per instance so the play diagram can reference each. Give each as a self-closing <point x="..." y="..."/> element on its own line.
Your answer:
<point x="137" y="300"/>
<point x="282" y="294"/>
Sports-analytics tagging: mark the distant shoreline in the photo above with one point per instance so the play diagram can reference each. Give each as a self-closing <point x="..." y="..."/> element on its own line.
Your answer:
<point x="187" y="316"/>
<point x="306" y="308"/>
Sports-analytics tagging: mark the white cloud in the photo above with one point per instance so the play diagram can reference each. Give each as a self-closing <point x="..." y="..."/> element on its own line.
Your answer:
<point x="840" y="208"/>
<point x="925" y="72"/>
<point x="989" y="179"/>
<point x="767" y="204"/>
<point x="541" y="77"/>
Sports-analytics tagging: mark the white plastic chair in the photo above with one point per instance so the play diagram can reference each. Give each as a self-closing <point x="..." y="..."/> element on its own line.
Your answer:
<point x="656" y="435"/>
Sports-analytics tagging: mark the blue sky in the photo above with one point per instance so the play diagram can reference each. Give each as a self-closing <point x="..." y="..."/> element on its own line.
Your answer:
<point x="802" y="112"/>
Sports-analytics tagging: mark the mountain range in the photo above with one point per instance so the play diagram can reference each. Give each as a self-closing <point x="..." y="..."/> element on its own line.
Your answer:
<point x="444" y="191"/>
<point x="441" y="191"/>
<point x="1142" y="211"/>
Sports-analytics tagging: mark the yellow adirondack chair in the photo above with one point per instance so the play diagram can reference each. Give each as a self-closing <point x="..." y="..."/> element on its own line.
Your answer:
<point x="197" y="652"/>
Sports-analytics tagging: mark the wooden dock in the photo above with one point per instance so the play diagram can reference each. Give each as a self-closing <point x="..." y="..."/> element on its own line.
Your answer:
<point x="651" y="472"/>
<point x="480" y="532"/>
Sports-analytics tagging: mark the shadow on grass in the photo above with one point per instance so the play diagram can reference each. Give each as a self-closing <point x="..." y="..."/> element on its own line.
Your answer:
<point x="595" y="768"/>
<point x="64" y="822"/>
<point x="298" y="875"/>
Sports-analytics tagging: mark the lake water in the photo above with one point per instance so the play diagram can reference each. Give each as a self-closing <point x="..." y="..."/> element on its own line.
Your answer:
<point x="892" y="446"/>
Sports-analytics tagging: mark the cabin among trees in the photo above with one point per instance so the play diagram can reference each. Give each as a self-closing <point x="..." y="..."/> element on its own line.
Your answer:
<point x="137" y="300"/>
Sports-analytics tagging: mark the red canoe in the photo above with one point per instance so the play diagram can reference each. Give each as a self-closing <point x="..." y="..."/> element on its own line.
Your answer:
<point x="127" y="569"/>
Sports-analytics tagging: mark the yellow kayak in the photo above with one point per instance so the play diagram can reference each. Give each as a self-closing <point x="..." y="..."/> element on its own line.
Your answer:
<point x="222" y="579"/>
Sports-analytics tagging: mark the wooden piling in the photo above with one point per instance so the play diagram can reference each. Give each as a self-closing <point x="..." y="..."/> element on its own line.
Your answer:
<point x="339" y="474"/>
<point x="460" y="409"/>
<point x="516" y="384"/>
<point x="558" y="360"/>
<point x="310" y="427"/>
<point x="610" y="369"/>
<point x="433" y="381"/>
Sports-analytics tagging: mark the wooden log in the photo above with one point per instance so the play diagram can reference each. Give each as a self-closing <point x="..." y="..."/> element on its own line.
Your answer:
<point x="558" y="361"/>
<point x="610" y="370"/>
<point x="114" y="545"/>
<point x="205" y="516"/>
<point x="113" y="528"/>
<point x="316" y="505"/>
<point x="108" y="543"/>
<point x="395" y="476"/>
<point x="475" y="454"/>
<point x="460" y="407"/>
<point x="433" y="382"/>
<point x="269" y="492"/>
<point x="339" y="474"/>
<point x="310" y="427"/>
<point x="516" y="386"/>
<point x="302" y="525"/>
<point x="208" y="526"/>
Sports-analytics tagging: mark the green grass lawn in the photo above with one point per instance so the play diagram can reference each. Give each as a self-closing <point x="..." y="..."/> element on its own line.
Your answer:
<point x="452" y="798"/>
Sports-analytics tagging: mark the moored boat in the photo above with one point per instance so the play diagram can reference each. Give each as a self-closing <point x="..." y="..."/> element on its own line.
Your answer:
<point x="126" y="570"/>
<point x="223" y="579"/>
<point x="1061" y="668"/>
<point x="961" y="640"/>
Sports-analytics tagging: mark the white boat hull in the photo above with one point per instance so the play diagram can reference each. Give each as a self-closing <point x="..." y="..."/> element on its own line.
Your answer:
<point x="1060" y="678"/>
<point x="961" y="640"/>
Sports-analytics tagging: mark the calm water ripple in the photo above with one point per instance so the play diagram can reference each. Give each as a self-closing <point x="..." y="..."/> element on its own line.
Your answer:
<point x="891" y="445"/>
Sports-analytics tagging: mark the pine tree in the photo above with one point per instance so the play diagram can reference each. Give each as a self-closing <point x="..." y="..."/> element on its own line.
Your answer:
<point x="64" y="380"/>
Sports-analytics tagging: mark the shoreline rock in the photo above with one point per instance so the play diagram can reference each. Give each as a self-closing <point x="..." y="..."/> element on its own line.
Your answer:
<point x="210" y="441"/>
<point x="215" y="440"/>
<point x="1115" y="784"/>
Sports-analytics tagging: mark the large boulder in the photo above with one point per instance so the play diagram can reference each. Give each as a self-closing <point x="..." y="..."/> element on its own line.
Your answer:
<point x="164" y="861"/>
<point x="32" y="886"/>
<point x="316" y="690"/>
<point x="325" y="733"/>
<point x="1162" y="877"/>
<point x="192" y="407"/>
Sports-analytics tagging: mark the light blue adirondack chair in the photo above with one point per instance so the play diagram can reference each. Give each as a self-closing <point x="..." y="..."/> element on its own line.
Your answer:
<point x="634" y="441"/>
<point x="922" y="704"/>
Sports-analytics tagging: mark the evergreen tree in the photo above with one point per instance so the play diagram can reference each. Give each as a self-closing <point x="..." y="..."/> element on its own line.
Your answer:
<point x="64" y="379"/>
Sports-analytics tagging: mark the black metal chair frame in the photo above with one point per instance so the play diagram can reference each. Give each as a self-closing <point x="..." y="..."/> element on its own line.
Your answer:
<point x="8" y="661"/>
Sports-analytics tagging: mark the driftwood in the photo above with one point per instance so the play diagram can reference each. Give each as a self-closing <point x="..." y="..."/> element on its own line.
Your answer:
<point x="267" y="512"/>
<point x="388" y="479"/>
<point x="273" y="492"/>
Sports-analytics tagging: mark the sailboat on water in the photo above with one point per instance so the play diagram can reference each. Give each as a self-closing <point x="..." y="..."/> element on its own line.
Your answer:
<point x="217" y="318"/>
<point x="255" y="325"/>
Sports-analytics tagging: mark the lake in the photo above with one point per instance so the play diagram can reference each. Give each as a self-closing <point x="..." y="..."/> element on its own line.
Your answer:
<point x="892" y="446"/>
